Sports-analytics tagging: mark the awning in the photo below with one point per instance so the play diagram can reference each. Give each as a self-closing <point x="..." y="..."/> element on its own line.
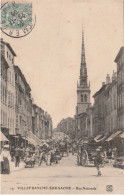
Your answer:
<point x="79" y="140"/>
<point x="97" y="137"/>
<point x="31" y="141"/>
<point x="35" y="138"/>
<point x="101" y="138"/>
<point x="122" y="135"/>
<point x="113" y="136"/>
<point x="3" y="137"/>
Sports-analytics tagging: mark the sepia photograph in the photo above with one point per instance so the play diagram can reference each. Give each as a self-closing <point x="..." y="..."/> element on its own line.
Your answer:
<point x="62" y="97"/>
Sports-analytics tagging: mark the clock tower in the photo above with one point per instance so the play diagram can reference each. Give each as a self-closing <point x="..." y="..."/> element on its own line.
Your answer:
<point x="83" y="88"/>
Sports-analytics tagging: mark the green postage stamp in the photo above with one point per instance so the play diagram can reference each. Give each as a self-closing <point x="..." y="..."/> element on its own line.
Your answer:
<point x="17" y="19"/>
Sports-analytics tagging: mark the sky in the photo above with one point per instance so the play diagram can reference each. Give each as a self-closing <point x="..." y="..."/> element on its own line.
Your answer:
<point x="50" y="55"/>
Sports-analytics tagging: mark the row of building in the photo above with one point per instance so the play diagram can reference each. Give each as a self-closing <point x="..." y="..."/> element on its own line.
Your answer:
<point x="66" y="126"/>
<point x="21" y="118"/>
<point x="104" y="120"/>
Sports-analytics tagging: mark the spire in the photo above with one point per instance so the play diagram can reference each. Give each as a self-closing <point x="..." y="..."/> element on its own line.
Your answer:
<point x="83" y="62"/>
<point x="83" y="68"/>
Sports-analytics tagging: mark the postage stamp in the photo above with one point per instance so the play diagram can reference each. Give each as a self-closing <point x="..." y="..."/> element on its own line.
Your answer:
<point x="17" y="19"/>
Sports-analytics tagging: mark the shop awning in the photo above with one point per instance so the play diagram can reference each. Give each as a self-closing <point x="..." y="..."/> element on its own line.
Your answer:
<point x="97" y="137"/>
<point x="113" y="136"/>
<point x="31" y="141"/>
<point x="122" y="135"/>
<point x="79" y="141"/>
<point x="101" y="138"/>
<point x="35" y="138"/>
<point x="3" y="137"/>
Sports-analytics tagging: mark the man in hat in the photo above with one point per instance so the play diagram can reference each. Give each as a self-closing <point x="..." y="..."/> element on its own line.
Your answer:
<point x="98" y="161"/>
<point x="17" y="156"/>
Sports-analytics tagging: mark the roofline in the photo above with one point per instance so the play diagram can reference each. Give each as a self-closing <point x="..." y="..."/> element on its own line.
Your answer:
<point x="119" y="53"/>
<point x="98" y="92"/>
<point x="27" y="85"/>
<point x="8" y="45"/>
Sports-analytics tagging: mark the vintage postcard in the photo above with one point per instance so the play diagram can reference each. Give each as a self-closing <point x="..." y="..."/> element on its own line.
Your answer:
<point x="62" y="97"/>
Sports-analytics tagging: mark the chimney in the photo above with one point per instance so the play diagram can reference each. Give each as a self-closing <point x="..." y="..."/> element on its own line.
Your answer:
<point x="103" y="83"/>
<point x="113" y="76"/>
<point x="107" y="79"/>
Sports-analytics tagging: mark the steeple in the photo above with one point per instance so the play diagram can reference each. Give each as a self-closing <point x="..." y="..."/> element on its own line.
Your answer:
<point x="83" y="88"/>
<point x="83" y="50"/>
<point x="83" y="68"/>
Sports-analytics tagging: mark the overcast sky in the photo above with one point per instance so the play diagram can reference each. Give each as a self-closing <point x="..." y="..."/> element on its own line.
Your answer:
<point x="50" y="55"/>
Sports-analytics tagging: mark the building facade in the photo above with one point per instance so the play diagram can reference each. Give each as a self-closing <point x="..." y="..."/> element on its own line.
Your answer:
<point x="111" y="106"/>
<point x="4" y="90"/>
<point x="41" y="123"/>
<point x="67" y="126"/>
<point x="120" y="89"/>
<point x="23" y="103"/>
<point x="21" y="119"/>
<point x="7" y="87"/>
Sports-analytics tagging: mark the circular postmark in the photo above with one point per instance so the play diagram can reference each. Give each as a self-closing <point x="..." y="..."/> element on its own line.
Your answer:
<point x="17" y="19"/>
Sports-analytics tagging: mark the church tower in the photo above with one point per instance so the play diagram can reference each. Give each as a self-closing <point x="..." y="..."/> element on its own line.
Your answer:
<point x="83" y="88"/>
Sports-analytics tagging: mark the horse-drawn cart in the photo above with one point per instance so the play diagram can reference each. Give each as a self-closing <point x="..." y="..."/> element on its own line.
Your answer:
<point x="63" y="147"/>
<point x="87" y="155"/>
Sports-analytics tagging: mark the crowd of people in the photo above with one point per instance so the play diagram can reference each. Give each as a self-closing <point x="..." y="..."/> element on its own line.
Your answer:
<point x="51" y="153"/>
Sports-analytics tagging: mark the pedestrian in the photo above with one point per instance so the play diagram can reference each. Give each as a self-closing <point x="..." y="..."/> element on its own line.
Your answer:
<point x="6" y="158"/>
<point x="98" y="161"/>
<point x="17" y="156"/>
<point x="114" y="155"/>
<point x="109" y="155"/>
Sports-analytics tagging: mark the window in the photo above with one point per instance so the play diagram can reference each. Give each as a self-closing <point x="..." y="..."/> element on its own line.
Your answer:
<point x="85" y="98"/>
<point x="10" y="57"/>
<point x="82" y="98"/>
<point x="17" y="121"/>
<point x="8" y="98"/>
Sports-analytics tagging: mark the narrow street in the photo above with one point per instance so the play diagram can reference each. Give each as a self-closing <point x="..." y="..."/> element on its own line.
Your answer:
<point x="65" y="177"/>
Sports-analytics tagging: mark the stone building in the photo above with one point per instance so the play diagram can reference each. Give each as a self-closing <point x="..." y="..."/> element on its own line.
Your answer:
<point x="7" y="88"/>
<point x="120" y="89"/>
<point x="67" y="126"/>
<point x="47" y="125"/>
<point x="111" y="106"/>
<point x="99" y="108"/>
<point x="4" y="90"/>
<point x="41" y="123"/>
<point x="23" y="103"/>
<point x="21" y="119"/>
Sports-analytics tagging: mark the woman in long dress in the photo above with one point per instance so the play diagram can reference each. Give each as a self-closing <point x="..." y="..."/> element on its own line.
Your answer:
<point x="6" y="158"/>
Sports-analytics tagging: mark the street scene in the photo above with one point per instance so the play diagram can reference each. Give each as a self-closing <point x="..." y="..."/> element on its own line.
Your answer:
<point x="62" y="97"/>
<point x="60" y="176"/>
